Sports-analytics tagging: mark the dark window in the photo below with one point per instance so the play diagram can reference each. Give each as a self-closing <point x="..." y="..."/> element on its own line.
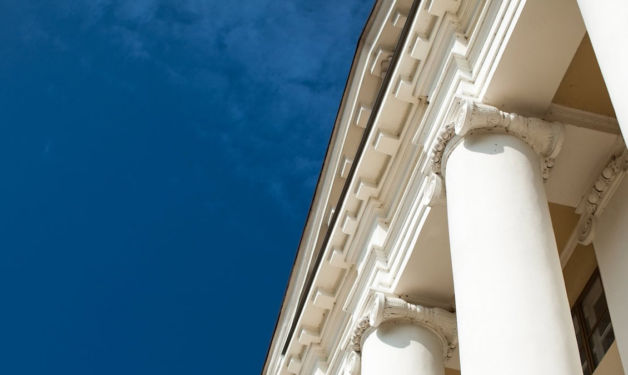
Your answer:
<point x="592" y="321"/>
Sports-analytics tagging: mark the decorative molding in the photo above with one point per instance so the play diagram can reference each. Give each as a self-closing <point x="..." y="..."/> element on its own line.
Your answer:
<point x="444" y="136"/>
<point x="381" y="61"/>
<point x="384" y="309"/>
<point x="434" y="191"/>
<point x="421" y="48"/>
<point x="362" y="115"/>
<point x="350" y="224"/>
<point x="366" y="188"/>
<point x="399" y="19"/>
<point x="338" y="259"/>
<point x="352" y="364"/>
<point x="324" y="299"/>
<point x="294" y="365"/>
<point x="440" y="7"/>
<point x="386" y="143"/>
<point x="404" y="90"/>
<point x="582" y="119"/>
<point x="309" y="336"/>
<point x="544" y="137"/>
<point x="599" y="195"/>
<point x="346" y="167"/>
<point x="356" y="338"/>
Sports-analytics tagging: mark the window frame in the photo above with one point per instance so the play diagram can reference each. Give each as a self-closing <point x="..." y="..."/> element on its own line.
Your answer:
<point x="578" y="311"/>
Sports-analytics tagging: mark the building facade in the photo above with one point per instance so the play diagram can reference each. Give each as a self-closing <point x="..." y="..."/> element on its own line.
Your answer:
<point x="471" y="215"/>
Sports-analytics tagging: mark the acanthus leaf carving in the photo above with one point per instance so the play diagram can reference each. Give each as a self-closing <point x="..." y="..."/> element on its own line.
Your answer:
<point x="384" y="309"/>
<point x="544" y="137"/>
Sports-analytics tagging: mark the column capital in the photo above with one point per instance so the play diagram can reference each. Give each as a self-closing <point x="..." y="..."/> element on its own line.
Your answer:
<point x="384" y="309"/>
<point x="544" y="137"/>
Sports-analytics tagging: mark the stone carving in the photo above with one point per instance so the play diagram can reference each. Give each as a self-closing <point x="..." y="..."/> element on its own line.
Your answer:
<point x="384" y="309"/>
<point x="356" y="338"/>
<point x="544" y="137"/>
<point x="443" y="137"/>
<point x="352" y="364"/>
<point x="546" y="168"/>
<point x="434" y="190"/>
<point x="599" y="195"/>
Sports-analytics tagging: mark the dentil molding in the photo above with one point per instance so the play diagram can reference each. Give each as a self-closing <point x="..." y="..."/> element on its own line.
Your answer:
<point x="544" y="137"/>
<point x="385" y="309"/>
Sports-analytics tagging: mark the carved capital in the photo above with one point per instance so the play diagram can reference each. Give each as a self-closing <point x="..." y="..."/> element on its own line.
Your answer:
<point x="599" y="195"/>
<point x="544" y="137"/>
<point x="384" y="309"/>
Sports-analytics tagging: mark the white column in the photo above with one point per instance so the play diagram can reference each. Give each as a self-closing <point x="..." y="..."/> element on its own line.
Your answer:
<point x="403" y="339"/>
<point x="511" y="302"/>
<point x="603" y="222"/>
<point x="606" y="24"/>
<point x="610" y="248"/>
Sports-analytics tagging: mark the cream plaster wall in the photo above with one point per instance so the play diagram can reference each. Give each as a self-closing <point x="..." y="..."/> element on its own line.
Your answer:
<point x="578" y="271"/>
<point x="611" y="363"/>
<point x="582" y="262"/>
<point x="583" y="86"/>
<point x="564" y="220"/>
<point x="606" y="23"/>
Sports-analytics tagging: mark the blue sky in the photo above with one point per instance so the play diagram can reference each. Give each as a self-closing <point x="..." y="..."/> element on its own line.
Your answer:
<point x="158" y="158"/>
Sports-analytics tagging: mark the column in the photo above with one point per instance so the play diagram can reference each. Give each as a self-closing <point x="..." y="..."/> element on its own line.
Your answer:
<point x="603" y="222"/>
<point x="606" y="24"/>
<point x="402" y="339"/>
<point x="511" y="302"/>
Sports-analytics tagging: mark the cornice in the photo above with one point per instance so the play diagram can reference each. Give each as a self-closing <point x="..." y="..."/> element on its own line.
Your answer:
<point x="361" y="184"/>
<point x="385" y="309"/>
<point x="545" y="138"/>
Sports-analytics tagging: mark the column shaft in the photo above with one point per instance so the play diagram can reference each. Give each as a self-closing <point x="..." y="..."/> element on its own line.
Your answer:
<point x="512" y="308"/>
<point x="605" y="22"/>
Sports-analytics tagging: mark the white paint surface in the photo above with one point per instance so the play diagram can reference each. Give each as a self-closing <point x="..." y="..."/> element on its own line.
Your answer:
<point x="402" y="348"/>
<point x="606" y="24"/>
<point x="534" y="59"/>
<point x="611" y="243"/>
<point x="512" y="308"/>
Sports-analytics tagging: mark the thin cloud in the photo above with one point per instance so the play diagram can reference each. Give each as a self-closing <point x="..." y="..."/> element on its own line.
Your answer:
<point x="272" y="68"/>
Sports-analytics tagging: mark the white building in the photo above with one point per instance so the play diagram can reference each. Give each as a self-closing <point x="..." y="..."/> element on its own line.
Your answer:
<point x="472" y="212"/>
